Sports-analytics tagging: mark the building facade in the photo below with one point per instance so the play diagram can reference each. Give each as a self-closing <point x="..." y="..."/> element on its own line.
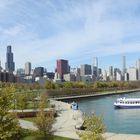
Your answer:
<point x="124" y="70"/>
<point x="62" y="68"/>
<point x="28" y="68"/>
<point x="133" y="75"/>
<point x="9" y="65"/>
<point x="85" y="70"/>
<point x="138" y="68"/>
<point x="38" y="72"/>
<point x="7" y="77"/>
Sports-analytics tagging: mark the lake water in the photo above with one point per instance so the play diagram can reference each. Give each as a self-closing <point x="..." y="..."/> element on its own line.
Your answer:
<point x="116" y="120"/>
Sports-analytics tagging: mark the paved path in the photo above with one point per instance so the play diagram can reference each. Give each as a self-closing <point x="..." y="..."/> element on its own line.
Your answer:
<point x="27" y="124"/>
<point x="67" y="120"/>
<point x="70" y="132"/>
<point x="114" y="136"/>
<point x="97" y="94"/>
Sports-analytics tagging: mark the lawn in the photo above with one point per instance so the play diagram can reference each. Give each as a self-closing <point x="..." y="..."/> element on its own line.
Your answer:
<point x="31" y="119"/>
<point x="46" y="138"/>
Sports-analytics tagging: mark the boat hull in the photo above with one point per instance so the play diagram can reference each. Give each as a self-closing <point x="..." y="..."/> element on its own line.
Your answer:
<point x="125" y="106"/>
<point x="127" y="103"/>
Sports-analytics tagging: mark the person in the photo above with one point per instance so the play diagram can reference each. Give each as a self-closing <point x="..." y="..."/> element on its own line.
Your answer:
<point x="77" y="107"/>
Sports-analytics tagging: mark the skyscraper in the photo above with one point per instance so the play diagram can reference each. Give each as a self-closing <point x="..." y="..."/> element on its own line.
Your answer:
<point x="0" y="66"/>
<point x="85" y="70"/>
<point x="138" y="68"/>
<point x="124" y="70"/>
<point x="62" y="67"/>
<point x="27" y="68"/>
<point x="95" y="70"/>
<point x="111" y="73"/>
<point x="95" y="62"/>
<point x="9" y="65"/>
<point x="38" y="72"/>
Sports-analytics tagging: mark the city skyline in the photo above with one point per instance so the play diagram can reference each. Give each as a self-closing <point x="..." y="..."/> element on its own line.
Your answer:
<point x="50" y="30"/>
<point x="94" y="62"/>
<point x="63" y="72"/>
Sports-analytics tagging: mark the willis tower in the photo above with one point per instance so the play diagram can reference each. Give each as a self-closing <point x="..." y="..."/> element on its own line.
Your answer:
<point x="10" y="65"/>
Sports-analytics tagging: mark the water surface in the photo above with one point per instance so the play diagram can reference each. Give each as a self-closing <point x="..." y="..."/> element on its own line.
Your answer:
<point x="116" y="120"/>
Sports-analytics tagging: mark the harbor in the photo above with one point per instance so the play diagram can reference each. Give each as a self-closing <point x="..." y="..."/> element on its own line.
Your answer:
<point x="67" y="128"/>
<point x="68" y="119"/>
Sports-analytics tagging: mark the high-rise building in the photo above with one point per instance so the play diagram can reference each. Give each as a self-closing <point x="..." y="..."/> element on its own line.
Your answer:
<point x="95" y="71"/>
<point x="85" y="70"/>
<point x="104" y="75"/>
<point x="9" y="65"/>
<point x="7" y="77"/>
<point x="27" y="68"/>
<point x="0" y="66"/>
<point x="117" y="74"/>
<point x="111" y="73"/>
<point x="38" y="72"/>
<point x="132" y="74"/>
<point x="62" y="67"/>
<point x="20" y="72"/>
<point x="124" y="70"/>
<point x="138" y="68"/>
<point x="95" y="62"/>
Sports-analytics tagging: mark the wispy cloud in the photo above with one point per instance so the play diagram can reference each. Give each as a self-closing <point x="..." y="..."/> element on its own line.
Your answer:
<point x="42" y="31"/>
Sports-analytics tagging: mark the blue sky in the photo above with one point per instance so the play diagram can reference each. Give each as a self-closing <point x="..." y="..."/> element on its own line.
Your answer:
<point x="41" y="31"/>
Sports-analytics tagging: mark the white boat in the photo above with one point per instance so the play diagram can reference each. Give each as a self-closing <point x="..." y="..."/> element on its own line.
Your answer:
<point x="127" y="103"/>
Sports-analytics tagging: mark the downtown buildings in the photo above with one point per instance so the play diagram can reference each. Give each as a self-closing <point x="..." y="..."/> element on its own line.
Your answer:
<point x="86" y="73"/>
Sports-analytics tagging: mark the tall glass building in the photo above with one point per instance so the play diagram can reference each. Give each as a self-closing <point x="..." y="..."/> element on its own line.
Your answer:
<point x="9" y="65"/>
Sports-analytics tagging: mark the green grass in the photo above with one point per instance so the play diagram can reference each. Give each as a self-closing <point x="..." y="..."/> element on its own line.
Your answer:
<point x="51" y="137"/>
<point x="36" y="135"/>
<point x="32" y="119"/>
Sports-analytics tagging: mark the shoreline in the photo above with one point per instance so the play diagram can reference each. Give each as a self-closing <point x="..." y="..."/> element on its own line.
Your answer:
<point x="106" y="93"/>
<point x="64" y="125"/>
<point x="66" y="121"/>
<point x="106" y="135"/>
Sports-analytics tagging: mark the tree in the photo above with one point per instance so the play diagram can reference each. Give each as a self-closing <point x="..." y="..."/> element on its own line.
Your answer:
<point x="22" y="102"/>
<point x="9" y="126"/>
<point x="42" y="121"/>
<point x="49" y="85"/>
<point x="68" y="85"/>
<point x="93" y="128"/>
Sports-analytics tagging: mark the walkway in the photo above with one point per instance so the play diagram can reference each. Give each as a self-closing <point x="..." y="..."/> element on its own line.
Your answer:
<point x="115" y="136"/>
<point x="27" y="125"/>
<point x="97" y="94"/>
<point x="67" y="120"/>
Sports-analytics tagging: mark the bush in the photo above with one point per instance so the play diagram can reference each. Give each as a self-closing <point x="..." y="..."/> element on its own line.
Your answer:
<point x="94" y="127"/>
